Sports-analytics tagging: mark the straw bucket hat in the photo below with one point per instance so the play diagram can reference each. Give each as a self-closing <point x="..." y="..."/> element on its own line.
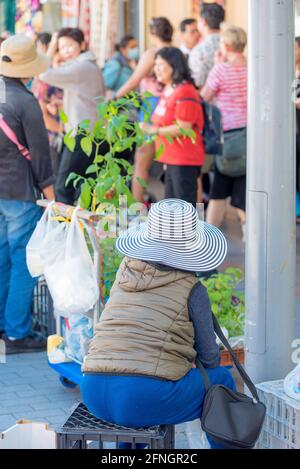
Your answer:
<point x="20" y="59"/>
<point x="174" y="236"/>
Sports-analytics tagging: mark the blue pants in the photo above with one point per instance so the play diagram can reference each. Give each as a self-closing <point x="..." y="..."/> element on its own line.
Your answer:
<point x="142" y="402"/>
<point x="17" y="222"/>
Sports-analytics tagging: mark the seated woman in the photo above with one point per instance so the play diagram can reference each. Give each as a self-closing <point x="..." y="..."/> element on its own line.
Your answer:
<point x="139" y="370"/>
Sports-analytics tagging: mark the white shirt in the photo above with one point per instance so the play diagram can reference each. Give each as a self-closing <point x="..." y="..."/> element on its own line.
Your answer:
<point x="186" y="51"/>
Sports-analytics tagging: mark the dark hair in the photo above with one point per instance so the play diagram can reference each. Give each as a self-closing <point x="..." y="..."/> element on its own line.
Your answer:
<point x="44" y="38"/>
<point x="213" y="14"/>
<point x="177" y="60"/>
<point x="74" y="33"/>
<point x="297" y="40"/>
<point x="124" y="42"/>
<point x="186" y="23"/>
<point x="162" y="28"/>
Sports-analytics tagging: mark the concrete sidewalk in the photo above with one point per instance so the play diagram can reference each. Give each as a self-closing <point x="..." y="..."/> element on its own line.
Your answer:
<point x="29" y="389"/>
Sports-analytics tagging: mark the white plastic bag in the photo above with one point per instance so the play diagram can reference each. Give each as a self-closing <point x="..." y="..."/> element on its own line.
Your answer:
<point x="71" y="275"/>
<point x="291" y="383"/>
<point x="196" y="436"/>
<point x="35" y="245"/>
<point x="77" y="335"/>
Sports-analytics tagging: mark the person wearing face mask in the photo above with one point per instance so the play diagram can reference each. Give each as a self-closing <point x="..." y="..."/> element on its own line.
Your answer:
<point x="80" y="78"/>
<point x="118" y="69"/>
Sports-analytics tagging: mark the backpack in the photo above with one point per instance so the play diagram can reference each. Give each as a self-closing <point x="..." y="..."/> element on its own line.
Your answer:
<point x="213" y="129"/>
<point x="115" y="73"/>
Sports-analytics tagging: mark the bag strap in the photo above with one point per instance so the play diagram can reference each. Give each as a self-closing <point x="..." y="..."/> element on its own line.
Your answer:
<point x="10" y="134"/>
<point x="245" y="377"/>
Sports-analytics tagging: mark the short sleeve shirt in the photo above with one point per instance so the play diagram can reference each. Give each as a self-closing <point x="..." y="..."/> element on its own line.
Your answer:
<point x="229" y="84"/>
<point x="183" y="104"/>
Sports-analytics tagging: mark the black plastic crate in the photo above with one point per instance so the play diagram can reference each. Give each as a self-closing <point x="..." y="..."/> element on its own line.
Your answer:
<point x="83" y="430"/>
<point x="43" y="320"/>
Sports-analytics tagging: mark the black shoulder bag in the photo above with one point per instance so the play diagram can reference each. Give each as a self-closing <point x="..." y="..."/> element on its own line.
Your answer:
<point x="232" y="419"/>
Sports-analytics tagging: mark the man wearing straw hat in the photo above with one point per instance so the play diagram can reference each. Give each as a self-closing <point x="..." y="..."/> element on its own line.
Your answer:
<point x="25" y="173"/>
<point x="157" y="323"/>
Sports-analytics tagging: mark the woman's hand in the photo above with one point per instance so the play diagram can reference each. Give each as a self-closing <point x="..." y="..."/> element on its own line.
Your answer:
<point x="53" y="46"/>
<point x="148" y="129"/>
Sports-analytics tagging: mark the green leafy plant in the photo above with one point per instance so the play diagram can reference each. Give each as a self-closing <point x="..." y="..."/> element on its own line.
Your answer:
<point x="108" y="177"/>
<point x="227" y="302"/>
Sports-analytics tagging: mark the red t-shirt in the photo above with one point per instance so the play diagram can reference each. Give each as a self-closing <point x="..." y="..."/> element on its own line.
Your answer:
<point x="182" y="104"/>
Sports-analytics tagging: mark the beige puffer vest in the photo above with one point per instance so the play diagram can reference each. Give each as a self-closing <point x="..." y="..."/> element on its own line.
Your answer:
<point x="145" y="327"/>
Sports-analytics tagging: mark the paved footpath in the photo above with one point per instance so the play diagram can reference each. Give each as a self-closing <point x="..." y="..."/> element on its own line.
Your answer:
<point x="29" y="389"/>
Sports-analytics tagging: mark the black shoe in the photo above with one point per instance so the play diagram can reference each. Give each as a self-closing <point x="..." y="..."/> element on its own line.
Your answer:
<point x="31" y="343"/>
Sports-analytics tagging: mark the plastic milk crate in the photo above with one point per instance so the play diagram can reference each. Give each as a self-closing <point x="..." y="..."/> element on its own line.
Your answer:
<point x="281" y="429"/>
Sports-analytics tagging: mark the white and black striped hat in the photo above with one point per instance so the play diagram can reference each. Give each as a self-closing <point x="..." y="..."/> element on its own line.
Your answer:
<point x="174" y="236"/>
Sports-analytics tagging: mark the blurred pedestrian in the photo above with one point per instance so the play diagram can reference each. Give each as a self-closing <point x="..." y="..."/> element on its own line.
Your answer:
<point x="190" y="35"/>
<point x="201" y="59"/>
<point x="118" y="70"/>
<point x="81" y="80"/>
<point x="161" y="33"/>
<point x="227" y="84"/>
<point x="25" y="173"/>
<point x="178" y="108"/>
<point x="42" y="42"/>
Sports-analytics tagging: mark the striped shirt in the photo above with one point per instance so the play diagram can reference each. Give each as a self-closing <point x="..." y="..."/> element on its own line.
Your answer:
<point x="229" y="83"/>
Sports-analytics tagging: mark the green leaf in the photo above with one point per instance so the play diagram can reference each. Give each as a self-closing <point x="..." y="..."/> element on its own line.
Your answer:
<point x="215" y="308"/>
<point x="86" y="145"/>
<point x="102" y="109"/>
<point x="159" y="152"/>
<point x="70" y="141"/>
<point x="142" y="182"/>
<point x="85" y="195"/>
<point x="63" y="116"/>
<point x="169" y="139"/>
<point x="98" y="127"/>
<point x="70" y="178"/>
<point x="99" y="159"/>
<point x="85" y="124"/>
<point x="92" y="169"/>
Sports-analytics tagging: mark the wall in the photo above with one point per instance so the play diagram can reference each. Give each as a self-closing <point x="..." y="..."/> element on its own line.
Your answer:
<point x="177" y="10"/>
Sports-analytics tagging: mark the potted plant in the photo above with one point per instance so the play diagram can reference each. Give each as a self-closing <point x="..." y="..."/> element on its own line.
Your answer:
<point x="228" y="305"/>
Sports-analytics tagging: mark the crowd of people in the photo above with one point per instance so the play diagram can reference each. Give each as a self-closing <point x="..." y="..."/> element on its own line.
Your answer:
<point x="59" y="73"/>
<point x="141" y="368"/>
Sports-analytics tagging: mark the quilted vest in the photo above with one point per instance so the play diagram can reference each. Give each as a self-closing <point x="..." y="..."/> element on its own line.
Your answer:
<point x="145" y="327"/>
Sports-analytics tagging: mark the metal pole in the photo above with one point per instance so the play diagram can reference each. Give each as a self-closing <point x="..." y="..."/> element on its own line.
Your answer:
<point x="271" y="229"/>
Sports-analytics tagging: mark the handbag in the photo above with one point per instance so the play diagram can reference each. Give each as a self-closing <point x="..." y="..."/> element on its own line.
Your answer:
<point x="232" y="419"/>
<point x="232" y="162"/>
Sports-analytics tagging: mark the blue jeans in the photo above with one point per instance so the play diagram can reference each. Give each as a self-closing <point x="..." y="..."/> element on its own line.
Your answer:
<point x="17" y="222"/>
<point x="142" y="402"/>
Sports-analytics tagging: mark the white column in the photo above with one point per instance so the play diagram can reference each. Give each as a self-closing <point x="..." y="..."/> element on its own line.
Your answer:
<point x="271" y="228"/>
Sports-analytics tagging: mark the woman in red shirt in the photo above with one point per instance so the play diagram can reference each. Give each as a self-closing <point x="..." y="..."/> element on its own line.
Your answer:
<point x="179" y="109"/>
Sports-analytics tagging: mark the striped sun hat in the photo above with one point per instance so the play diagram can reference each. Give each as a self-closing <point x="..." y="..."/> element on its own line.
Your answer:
<point x="174" y="236"/>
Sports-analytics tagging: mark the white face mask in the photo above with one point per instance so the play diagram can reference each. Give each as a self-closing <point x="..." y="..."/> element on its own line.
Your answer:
<point x="133" y="54"/>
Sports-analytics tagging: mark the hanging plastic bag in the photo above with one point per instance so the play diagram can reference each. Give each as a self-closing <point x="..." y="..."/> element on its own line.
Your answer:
<point x="77" y="335"/>
<point x="291" y="383"/>
<point x="196" y="436"/>
<point x="35" y="245"/>
<point x="71" y="275"/>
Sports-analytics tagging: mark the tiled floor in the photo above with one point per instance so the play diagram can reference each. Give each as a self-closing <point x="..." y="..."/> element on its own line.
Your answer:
<point x="29" y="389"/>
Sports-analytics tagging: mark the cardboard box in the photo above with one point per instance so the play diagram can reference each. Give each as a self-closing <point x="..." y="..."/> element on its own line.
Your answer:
<point x="28" y="435"/>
